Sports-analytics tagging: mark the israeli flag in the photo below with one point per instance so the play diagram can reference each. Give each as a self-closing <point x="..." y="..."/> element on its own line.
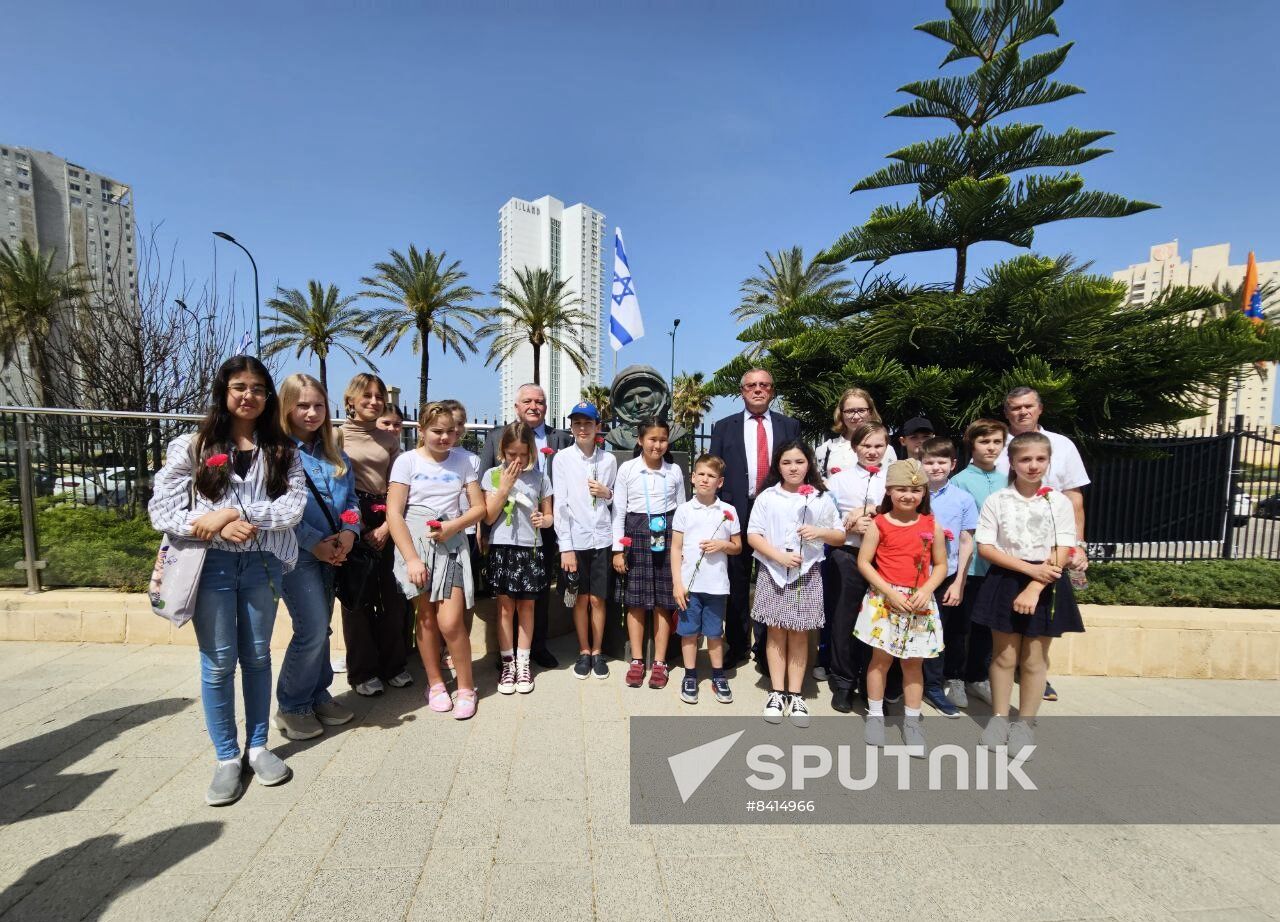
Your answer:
<point x="245" y="342"/>
<point x="625" y="325"/>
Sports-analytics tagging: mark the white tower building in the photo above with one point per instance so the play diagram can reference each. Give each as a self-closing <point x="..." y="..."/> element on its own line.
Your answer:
<point x="544" y="234"/>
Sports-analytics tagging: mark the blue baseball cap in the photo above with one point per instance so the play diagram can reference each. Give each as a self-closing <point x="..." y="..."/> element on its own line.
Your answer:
<point x="587" y="409"/>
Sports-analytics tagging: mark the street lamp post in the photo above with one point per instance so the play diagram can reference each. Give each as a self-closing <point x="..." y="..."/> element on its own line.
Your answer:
<point x="675" y="325"/>
<point x="257" y="307"/>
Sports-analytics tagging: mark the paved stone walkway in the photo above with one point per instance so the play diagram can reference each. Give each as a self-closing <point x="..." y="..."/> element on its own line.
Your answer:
<point x="522" y="813"/>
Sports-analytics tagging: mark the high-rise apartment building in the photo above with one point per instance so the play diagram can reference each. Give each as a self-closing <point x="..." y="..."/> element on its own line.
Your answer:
<point x="1208" y="267"/>
<point x="79" y="215"/>
<point x="570" y="242"/>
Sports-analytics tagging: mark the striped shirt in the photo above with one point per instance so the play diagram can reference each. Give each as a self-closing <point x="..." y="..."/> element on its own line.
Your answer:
<point x="175" y="505"/>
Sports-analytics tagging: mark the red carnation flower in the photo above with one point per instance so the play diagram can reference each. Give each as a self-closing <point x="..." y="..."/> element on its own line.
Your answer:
<point x="433" y="523"/>
<point x="873" y="469"/>
<point x="351" y="517"/>
<point x="218" y="460"/>
<point x="835" y="470"/>
<point x="926" y="537"/>
<point x="728" y="516"/>
<point x="805" y="489"/>
<point x="948" y="534"/>
<point x="548" y="450"/>
<point x="1044" y="491"/>
<point x="1071" y="553"/>
<point x="625" y="542"/>
<point x="379" y="507"/>
<point x="599" y="439"/>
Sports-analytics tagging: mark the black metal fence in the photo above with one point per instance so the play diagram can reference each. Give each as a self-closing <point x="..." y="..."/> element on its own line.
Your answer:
<point x="82" y="520"/>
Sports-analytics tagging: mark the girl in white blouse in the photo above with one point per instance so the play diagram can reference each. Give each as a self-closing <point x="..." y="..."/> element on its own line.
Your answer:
<point x="1027" y="532"/>
<point x="236" y="483"/>
<point x="645" y="496"/>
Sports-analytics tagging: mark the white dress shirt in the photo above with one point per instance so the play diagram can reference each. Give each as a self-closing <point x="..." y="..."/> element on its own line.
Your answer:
<point x="838" y="453"/>
<point x="749" y="429"/>
<point x="778" y="515"/>
<point x="853" y="487"/>
<point x="640" y="488"/>
<point x="583" y="525"/>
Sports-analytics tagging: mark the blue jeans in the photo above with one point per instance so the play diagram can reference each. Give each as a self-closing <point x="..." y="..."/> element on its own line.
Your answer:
<point x="235" y="611"/>
<point x="306" y="674"/>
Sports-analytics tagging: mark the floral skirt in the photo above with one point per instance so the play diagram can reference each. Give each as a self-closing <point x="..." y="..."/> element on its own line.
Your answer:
<point x="917" y="635"/>
<point x="516" y="572"/>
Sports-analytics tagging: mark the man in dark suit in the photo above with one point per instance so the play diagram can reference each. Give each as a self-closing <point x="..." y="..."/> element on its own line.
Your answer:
<point x="746" y="442"/>
<point x="531" y="409"/>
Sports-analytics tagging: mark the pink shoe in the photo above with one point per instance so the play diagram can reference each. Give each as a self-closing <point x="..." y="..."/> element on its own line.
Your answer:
<point x="466" y="704"/>
<point x="438" y="699"/>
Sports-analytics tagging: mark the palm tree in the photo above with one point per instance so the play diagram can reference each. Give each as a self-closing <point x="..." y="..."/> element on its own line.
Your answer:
<point x="316" y="322"/>
<point x="540" y="311"/>
<point x="598" y="394"/>
<point x="430" y="299"/>
<point x="783" y="282"/>
<point x="1232" y="301"/>
<point x="691" y="398"/>
<point x="34" y="297"/>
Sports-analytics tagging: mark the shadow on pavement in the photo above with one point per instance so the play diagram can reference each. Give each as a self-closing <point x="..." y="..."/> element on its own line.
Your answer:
<point x="82" y="881"/>
<point x="54" y="751"/>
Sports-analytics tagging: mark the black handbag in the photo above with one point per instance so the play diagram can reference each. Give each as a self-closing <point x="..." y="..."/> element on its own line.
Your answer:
<point x="352" y="578"/>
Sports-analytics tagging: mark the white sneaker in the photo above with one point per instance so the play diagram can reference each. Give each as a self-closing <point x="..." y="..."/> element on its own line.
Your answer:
<point x="507" y="678"/>
<point x="370" y="688"/>
<point x="403" y="680"/>
<point x="798" y="713"/>
<point x="955" y="691"/>
<point x="338" y="663"/>
<point x="820" y="673"/>
<point x="980" y="690"/>
<point x="774" y="708"/>
<point x="524" y="677"/>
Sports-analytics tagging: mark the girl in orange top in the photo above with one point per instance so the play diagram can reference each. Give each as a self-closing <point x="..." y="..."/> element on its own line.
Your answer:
<point x="903" y="559"/>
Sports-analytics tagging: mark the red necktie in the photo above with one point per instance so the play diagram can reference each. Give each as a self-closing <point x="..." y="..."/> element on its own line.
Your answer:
<point x="762" y="452"/>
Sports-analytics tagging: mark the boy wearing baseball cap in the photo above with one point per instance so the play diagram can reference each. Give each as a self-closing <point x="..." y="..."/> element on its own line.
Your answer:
<point x="583" y="476"/>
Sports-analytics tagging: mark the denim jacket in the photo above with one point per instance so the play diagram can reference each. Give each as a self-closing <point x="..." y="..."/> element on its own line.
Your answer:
<point x="339" y="491"/>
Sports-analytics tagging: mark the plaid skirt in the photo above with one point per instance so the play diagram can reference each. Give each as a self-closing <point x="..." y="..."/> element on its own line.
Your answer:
<point x="797" y="607"/>
<point x="516" y="572"/>
<point x="648" y="579"/>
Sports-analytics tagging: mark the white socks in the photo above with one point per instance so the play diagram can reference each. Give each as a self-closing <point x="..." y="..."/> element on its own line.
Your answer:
<point x="508" y="654"/>
<point x="911" y="712"/>
<point x="255" y="751"/>
<point x="522" y="656"/>
<point x="875" y="707"/>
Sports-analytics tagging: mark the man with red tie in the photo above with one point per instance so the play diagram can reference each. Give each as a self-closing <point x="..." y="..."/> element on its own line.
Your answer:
<point x="746" y="442"/>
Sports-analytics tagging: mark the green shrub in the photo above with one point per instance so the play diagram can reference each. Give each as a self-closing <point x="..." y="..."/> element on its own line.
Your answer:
<point x="82" y="546"/>
<point x="1250" y="583"/>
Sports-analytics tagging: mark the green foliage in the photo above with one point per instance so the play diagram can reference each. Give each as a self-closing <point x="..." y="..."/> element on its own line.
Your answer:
<point x="1103" y="367"/>
<point x="783" y="282"/>
<point x="83" y="547"/>
<point x="598" y="394"/>
<point x="34" y="296"/>
<point x="430" y="299"/>
<point x="1251" y="583"/>
<point x="965" y="193"/>
<point x="539" y="310"/>
<point x="317" y="322"/>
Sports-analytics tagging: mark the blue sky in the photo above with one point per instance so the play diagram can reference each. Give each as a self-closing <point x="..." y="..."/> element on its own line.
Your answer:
<point x="323" y="134"/>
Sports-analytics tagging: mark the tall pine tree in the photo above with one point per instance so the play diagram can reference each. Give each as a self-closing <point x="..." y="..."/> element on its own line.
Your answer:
<point x="965" y="193"/>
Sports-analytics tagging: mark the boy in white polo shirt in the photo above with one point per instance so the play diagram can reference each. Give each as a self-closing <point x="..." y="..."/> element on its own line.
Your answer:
<point x="704" y="532"/>
<point x="583" y="476"/>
